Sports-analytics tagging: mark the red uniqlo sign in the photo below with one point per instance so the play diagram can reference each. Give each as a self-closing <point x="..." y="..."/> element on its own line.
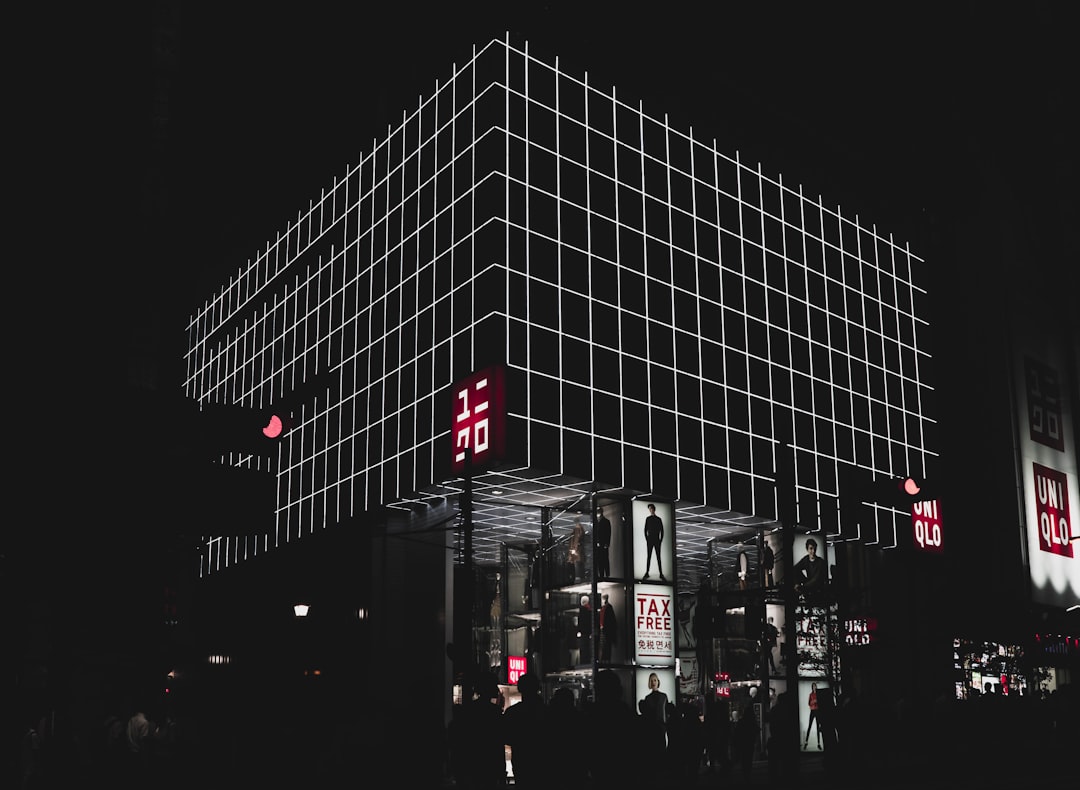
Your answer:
<point x="479" y="418"/>
<point x="1052" y="510"/>
<point x="926" y="524"/>
<point x="516" y="666"/>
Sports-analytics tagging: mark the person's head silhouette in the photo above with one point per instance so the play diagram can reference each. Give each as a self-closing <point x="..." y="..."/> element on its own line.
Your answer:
<point x="608" y="686"/>
<point x="562" y="698"/>
<point x="528" y="686"/>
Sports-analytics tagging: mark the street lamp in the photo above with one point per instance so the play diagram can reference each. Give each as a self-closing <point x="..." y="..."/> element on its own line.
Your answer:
<point x="301" y="609"/>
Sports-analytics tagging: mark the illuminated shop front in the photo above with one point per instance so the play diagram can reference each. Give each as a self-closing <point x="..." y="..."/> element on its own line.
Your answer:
<point x="677" y="334"/>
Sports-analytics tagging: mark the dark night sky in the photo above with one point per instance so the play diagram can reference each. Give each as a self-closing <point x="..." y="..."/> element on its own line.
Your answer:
<point x="892" y="114"/>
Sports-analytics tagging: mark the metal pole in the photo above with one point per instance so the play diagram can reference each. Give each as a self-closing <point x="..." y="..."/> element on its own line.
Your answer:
<point x="470" y="579"/>
<point x="787" y="499"/>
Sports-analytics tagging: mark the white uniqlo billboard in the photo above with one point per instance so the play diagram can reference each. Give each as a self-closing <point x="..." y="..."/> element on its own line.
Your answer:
<point x="1048" y="469"/>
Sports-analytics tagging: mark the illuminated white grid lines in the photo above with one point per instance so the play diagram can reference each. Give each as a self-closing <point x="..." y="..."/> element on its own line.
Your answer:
<point x="667" y="309"/>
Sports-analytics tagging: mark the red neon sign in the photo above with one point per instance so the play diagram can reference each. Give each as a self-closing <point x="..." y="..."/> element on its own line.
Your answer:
<point x="1052" y="511"/>
<point x="479" y="418"/>
<point x="926" y="525"/>
<point x="516" y="666"/>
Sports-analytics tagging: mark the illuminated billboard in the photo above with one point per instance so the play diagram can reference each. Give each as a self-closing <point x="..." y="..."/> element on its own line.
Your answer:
<point x="654" y="625"/>
<point x="653" y="540"/>
<point x="926" y="526"/>
<point x="479" y="418"/>
<point x="1048" y="469"/>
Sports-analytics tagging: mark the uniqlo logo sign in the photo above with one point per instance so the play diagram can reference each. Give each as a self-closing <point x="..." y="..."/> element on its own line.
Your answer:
<point x="926" y="525"/>
<point x="1044" y="404"/>
<point x="1052" y="510"/>
<point x="516" y="666"/>
<point x="479" y="418"/>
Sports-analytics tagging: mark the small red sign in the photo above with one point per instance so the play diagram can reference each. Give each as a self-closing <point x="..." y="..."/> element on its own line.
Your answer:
<point x="479" y="418"/>
<point x="516" y="666"/>
<point x="926" y="525"/>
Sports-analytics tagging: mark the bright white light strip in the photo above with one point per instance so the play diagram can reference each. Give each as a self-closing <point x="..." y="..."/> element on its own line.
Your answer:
<point x="251" y="363"/>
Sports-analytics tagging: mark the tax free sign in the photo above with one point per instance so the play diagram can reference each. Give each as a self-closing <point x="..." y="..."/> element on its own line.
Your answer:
<point x="654" y="625"/>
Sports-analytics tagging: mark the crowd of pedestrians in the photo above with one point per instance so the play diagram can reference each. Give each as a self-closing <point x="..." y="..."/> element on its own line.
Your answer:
<point x="573" y="744"/>
<point x="599" y="745"/>
<point x="605" y="743"/>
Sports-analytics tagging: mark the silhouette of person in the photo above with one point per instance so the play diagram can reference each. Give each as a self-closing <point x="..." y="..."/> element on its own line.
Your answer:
<point x="616" y="731"/>
<point x="687" y="743"/>
<point x="810" y="571"/>
<point x="477" y="743"/>
<point x="654" y="534"/>
<point x="768" y="560"/>
<point x="566" y="724"/>
<point x="140" y="734"/>
<point x="602" y="536"/>
<point x="524" y="725"/>
<point x="30" y="756"/>
<point x="745" y="738"/>
<point x="769" y="637"/>
<point x="718" y="733"/>
<point x="812" y="701"/>
<point x="783" y="719"/>
<point x="609" y="633"/>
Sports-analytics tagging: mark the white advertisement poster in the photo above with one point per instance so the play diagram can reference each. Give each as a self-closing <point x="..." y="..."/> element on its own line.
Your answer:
<point x="654" y="691"/>
<point x="1048" y="470"/>
<point x="654" y="625"/>
<point x="654" y="537"/>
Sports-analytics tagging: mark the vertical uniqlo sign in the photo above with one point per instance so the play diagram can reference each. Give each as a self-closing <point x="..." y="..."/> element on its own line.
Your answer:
<point x="1052" y="510"/>
<point x="479" y="418"/>
<point x="926" y="524"/>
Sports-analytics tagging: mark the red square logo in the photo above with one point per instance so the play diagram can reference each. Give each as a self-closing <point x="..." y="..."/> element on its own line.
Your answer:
<point x="926" y="524"/>
<point x="1052" y="511"/>
<point x="479" y="418"/>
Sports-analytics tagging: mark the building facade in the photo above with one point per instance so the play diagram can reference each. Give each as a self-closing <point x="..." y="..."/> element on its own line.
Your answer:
<point x="671" y="322"/>
<point x="665" y="312"/>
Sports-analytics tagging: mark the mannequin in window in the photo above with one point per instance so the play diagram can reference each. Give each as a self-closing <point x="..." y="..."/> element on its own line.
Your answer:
<point x="584" y="630"/>
<point x="608" y="628"/>
<point x="576" y="555"/>
<point x="602" y="536"/>
<point x="768" y="560"/>
<point x="742" y="569"/>
<point x="769" y="639"/>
